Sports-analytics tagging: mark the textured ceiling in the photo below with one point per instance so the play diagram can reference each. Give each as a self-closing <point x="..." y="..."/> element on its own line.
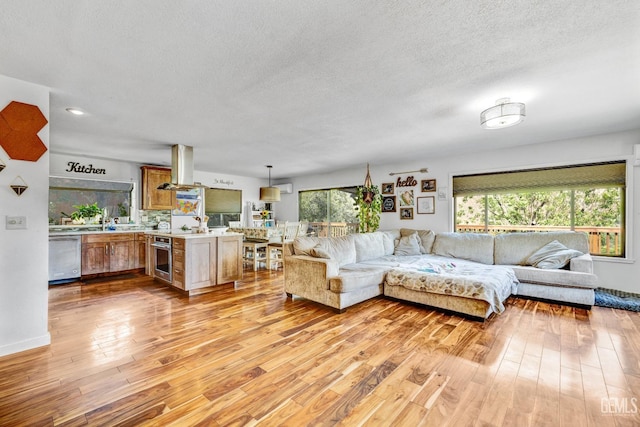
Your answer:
<point x="314" y="86"/>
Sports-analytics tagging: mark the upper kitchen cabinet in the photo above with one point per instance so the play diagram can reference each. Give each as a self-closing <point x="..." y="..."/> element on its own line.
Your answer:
<point x="152" y="198"/>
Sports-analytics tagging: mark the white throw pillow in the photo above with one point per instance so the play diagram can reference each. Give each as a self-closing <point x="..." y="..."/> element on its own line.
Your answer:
<point x="552" y="255"/>
<point x="408" y="245"/>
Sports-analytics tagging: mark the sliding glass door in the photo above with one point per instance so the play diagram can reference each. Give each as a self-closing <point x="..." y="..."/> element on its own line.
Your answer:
<point x="330" y="212"/>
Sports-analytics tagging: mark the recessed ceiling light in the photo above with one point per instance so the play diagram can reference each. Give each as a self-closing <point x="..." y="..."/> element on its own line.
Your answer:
<point x="75" y="111"/>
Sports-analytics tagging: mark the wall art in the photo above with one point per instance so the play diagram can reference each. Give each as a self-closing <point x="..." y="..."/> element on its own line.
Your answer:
<point x="428" y="185"/>
<point x="388" y="203"/>
<point x="19" y="127"/>
<point x="406" y="198"/>
<point x="426" y="205"/>
<point x="406" y="213"/>
<point x="388" y="188"/>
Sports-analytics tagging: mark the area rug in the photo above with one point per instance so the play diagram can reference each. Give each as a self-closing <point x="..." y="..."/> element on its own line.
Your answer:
<point x="617" y="299"/>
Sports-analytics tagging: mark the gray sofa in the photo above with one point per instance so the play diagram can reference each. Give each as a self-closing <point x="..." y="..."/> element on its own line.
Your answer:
<point x="342" y="271"/>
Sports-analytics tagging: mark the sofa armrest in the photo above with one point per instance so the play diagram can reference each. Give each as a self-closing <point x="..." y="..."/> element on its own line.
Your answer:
<point x="583" y="264"/>
<point x="303" y="274"/>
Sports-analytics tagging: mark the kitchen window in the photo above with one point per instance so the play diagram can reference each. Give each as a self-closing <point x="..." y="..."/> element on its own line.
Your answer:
<point x="65" y="193"/>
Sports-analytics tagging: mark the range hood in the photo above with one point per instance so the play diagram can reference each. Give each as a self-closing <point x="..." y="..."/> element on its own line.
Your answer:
<point x="181" y="170"/>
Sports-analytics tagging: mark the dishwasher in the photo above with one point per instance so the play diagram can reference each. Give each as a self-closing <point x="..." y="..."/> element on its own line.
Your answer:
<point x="65" y="260"/>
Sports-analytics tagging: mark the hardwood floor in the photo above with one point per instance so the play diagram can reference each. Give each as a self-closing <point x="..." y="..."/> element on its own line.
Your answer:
<point x="134" y="352"/>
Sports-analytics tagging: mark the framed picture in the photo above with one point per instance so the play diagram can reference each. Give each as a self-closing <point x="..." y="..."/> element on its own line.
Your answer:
<point x="406" y="198"/>
<point x="428" y="185"/>
<point x="427" y="205"/>
<point x="406" y="213"/>
<point x="388" y="203"/>
<point x="388" y="188"/>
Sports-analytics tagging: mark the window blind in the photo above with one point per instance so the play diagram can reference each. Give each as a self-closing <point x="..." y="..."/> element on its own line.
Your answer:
<point x="594" y="175"/>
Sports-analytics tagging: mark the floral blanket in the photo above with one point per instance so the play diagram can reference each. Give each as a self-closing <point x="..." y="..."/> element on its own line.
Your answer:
<point x="449" y="276"/>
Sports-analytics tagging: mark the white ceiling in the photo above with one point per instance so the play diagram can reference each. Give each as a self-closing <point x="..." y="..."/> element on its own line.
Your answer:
<point x="314" y="86"/>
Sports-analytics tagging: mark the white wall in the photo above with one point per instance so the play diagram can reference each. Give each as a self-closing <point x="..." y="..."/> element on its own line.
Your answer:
<point x="24" y="253"/>
<point x="613" y="274"/>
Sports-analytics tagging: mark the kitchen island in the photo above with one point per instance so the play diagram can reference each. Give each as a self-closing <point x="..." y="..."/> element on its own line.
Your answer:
<point x="195" y="262"/>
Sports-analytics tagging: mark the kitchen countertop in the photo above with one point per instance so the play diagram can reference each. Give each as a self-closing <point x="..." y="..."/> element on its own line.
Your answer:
<point x="189" y="234"/>
<point x="55" y="231"/>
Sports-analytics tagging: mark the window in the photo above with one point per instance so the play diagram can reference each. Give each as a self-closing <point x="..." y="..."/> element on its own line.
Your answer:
<point x="588" y="198"/>
<point x="329" y="212"/>
<point x="66" y="193"/>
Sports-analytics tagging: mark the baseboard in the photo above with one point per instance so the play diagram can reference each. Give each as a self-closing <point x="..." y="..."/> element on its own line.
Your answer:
<point x="25" y="345"/>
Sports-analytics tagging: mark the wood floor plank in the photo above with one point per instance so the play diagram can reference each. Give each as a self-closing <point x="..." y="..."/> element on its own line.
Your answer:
<point x="135" y="352"/>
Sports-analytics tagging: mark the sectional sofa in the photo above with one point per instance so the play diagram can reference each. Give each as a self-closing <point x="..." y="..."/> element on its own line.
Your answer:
<point x="469" y="273"/>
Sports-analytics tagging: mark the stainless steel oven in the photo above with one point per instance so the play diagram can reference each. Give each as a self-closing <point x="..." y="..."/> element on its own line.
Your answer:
<point x="162" y="257"/>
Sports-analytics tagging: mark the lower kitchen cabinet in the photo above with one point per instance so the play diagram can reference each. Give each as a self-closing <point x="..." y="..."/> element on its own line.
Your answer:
<point x="140" y="250"/>
<point x="202" y="262"/>
<point x="104" y="253"/>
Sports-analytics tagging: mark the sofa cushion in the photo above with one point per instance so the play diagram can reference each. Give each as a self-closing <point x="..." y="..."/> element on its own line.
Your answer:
<point x="472" y="246"/>
<point x="371" y="245"/>
<point x="515" y="248"/>
<point x="427" y="237"/>
<point x="357" y="276"/>
<point x="565" y="278"/>
<point x="389" y="241"/>
<point x="341" y="249"/>
<point x="408" y="245"/>
<point x="302" y="245"/>
<point x="552" y="255"/>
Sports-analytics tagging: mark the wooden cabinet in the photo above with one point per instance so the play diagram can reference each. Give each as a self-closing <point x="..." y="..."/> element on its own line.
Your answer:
<point x="177" y="257"/>
<point x="229" y="259"/>
<point x="140" y="251"/>
<point x="152" y="198"/>
<point x="104" y="253"/>
<point x="202" y="262"/>
<point x="95" y="257"/>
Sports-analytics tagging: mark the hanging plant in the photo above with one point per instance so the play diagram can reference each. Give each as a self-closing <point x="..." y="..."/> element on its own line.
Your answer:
<point x="369" y="202"/>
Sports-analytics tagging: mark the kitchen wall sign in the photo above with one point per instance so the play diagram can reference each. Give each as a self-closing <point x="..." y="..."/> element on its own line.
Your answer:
<point x="78" y="168"/>
<point x="19" y="127"/>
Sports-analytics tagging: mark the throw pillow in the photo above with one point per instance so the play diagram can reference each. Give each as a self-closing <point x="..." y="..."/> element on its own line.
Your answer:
<point x="552" y="255"/>
<point x="425" y="237"/>
<point x="319" y="252"/>
<point x="408" y="245"/>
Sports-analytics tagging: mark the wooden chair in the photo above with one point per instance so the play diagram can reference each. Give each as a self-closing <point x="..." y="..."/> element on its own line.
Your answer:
<point x="275" y="255"/>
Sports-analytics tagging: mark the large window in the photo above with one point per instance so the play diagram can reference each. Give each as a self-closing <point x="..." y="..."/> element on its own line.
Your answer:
<point x="330" y="212"/>
<point x="588" y="198"/>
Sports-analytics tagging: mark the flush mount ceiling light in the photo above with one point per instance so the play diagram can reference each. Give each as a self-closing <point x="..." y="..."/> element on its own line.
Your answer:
<point x="269" y="194"/>
<point x="75" y="111"/>
<point x="504" y="114"/>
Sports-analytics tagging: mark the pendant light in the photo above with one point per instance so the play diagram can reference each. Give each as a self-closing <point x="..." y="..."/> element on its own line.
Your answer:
<point x="269" y="194"/>
<point x="504" y="114"/>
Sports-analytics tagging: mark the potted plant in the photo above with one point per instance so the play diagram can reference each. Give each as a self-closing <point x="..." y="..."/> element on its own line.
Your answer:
<point x="369" y="202"/>
<point x="123" y="215"/>
<point x="86" y="213"/>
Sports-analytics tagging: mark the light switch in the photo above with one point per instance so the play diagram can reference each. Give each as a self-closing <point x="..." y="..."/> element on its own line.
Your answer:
<point x="16" y="222"/>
